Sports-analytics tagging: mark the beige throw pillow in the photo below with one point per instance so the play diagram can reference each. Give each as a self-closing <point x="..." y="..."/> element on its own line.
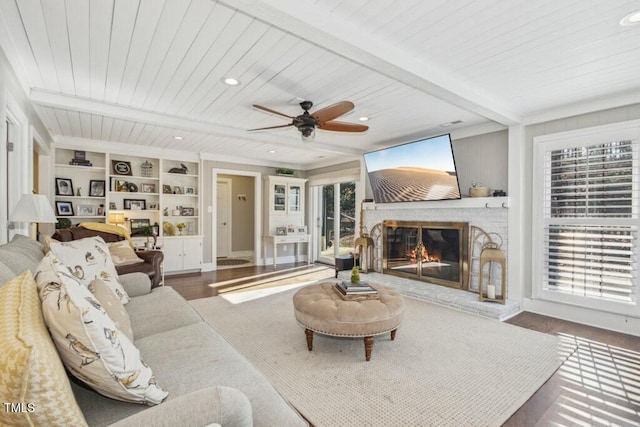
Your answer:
<point x="90" y="345"/>
<point x="89" y="259"/>
<point x="123" y="254"/>
<point x="112" y="305"/>
<point x="31" y="372"/>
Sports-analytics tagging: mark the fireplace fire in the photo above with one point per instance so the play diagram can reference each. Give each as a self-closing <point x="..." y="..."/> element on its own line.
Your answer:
<point x="435" y="252"/>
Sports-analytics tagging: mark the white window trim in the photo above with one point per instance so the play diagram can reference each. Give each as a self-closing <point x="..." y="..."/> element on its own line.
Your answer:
<point x="543" y="144"/>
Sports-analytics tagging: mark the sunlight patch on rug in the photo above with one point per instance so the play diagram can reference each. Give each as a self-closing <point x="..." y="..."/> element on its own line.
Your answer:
<point x="240" y="297"/>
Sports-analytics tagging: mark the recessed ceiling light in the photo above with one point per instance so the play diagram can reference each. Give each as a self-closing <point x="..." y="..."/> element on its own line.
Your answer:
<point x="230" y="81"/>
<point x="446" y="125"/>
<point x="178" y="137"/>
<point x="272" y="151"/>
<point x="363" y="118"/>
<point x="631" y="19"/>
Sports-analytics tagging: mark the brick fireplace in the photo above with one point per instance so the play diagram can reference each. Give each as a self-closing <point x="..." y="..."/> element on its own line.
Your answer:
<point x="490" y="214"/>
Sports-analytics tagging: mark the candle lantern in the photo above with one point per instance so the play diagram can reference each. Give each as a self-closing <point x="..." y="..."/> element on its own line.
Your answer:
<point x="491" y="255"/>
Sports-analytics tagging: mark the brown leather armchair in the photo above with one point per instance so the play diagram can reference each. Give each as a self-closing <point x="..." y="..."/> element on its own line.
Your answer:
<point x="151" y="266"/>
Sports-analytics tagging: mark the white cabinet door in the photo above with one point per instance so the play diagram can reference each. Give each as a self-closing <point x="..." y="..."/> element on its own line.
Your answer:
<point x="173" y="256"/>
<point x="182" y="254"/>
<point x="192" y="253"/>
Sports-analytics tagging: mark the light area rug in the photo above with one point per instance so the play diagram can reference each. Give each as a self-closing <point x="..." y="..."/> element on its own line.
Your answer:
<point x="445" y="367"/>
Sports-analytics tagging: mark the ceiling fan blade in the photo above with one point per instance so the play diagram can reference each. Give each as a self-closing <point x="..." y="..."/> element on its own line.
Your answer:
<point x="333" y="111"/>
<point x="273" y="127"/>
<point x="269" y="110"/>
<point x="342" y="126"/>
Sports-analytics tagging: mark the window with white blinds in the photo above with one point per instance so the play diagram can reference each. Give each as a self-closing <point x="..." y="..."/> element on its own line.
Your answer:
<point x="589" y="198"/>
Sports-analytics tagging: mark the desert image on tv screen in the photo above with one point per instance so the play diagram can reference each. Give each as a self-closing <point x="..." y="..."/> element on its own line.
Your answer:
<point x="421" y="170"/>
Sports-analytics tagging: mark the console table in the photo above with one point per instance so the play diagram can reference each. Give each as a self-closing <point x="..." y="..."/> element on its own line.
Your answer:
<point x="294" y="239"/>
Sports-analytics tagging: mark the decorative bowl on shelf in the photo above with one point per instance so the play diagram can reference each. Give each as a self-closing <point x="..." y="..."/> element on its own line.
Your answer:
<point x="479" y="191"/>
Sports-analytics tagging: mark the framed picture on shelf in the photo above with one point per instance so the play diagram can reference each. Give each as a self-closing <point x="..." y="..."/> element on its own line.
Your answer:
<point x="187" y="212"/>
<point x="148" y="188"/>
<point x="281" y="231"/>
<point x="137" y="225"/>
<point x="64" y="187"/>
<point x="166" y="189"/>
<point x="96" y="188"/>
<point x="112" y="206"/>
<point x="190" y="190"/>
<point x="64" y="208"/>
<point x="135" y="204"/>
<point x="177" y="190"/>
<point x="79" y="155"/>
<point x="120" y="167"/>
<point x="301" y="229"/>
<point x="152" y="206"/>
<point x="119" y="185"/>
<point x="291" y="229"/>
<point x="86" y="210"/>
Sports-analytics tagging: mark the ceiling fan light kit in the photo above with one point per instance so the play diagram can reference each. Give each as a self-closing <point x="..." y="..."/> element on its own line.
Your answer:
<point x="306" y="123"/>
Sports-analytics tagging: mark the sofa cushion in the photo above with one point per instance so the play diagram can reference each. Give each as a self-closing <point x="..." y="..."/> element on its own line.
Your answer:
<point x="31" y="372"/>
<point x="89" y="259"/>
<point x="112" y="305"/>
<point x="21" y="254"/>
<point x="123" y="254"/>
<point x="89" y="343"/>
<point x="207" y="359"/>
<point x="161" y="310"/>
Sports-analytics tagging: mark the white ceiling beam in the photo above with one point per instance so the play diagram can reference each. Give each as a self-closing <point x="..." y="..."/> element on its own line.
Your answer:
<point x="84" y="105"/>
<point x="318" y="26"/>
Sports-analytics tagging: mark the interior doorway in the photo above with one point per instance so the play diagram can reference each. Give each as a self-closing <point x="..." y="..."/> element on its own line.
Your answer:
<point x="237" y="216"/>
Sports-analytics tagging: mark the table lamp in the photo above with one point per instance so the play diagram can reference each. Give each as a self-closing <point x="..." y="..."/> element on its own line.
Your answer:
<point x="116" y="218"/>
<point x="33" y="208"/>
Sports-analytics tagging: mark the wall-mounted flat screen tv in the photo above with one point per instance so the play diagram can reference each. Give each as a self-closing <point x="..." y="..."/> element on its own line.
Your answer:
<point x="415" y="171"/>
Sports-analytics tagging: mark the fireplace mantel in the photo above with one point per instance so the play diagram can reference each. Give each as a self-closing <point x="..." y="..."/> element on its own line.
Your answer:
<point x="464" y="203"/>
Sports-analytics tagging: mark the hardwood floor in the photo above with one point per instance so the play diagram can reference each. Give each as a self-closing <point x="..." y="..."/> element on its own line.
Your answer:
<point x="599" y="385"/>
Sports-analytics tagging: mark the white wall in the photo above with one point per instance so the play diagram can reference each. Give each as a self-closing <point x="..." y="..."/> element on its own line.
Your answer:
<point x="482" y="159"/>
<point x="13" y="97"/>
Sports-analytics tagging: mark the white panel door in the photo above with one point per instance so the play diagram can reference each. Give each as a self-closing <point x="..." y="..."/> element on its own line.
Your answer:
<point x="223" y="218"/>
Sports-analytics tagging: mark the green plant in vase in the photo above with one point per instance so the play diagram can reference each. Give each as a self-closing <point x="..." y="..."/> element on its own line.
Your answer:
<point x="181" y="226"/>
<point x="147" y="231"/>
<point x="355" y="275"/>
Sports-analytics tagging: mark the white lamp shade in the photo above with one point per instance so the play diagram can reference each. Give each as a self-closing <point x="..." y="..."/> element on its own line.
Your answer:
<point x="33" y="208"/>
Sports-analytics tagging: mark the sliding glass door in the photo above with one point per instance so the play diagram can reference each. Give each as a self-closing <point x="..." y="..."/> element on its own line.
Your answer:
<point x="336" y="216"/>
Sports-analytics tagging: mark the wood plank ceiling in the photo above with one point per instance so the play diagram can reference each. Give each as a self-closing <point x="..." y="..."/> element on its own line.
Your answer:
<point x="143" y="71"/>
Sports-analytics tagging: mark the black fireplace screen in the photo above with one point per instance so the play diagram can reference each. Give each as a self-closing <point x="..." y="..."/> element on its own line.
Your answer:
<point x="432" y="251"/>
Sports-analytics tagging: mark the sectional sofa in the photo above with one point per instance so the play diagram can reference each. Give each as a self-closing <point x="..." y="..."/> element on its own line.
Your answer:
<point x="207" y="380"/>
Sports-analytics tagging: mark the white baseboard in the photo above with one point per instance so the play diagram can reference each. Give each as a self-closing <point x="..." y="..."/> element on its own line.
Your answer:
<point x="587" y="316"/>
<point x="281" y="260"/>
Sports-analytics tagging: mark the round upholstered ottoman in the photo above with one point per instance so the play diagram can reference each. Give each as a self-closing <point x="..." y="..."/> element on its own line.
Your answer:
<point x="320" y="308"/>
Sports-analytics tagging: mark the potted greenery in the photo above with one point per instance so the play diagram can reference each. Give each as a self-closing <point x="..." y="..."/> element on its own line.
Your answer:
<point x="181" y="226"/>
<point x="355" y="275"/>
<point x="148" y="232"/>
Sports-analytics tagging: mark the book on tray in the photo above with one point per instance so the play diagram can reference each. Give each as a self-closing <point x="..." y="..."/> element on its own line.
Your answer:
<point x="349" y="288"/>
